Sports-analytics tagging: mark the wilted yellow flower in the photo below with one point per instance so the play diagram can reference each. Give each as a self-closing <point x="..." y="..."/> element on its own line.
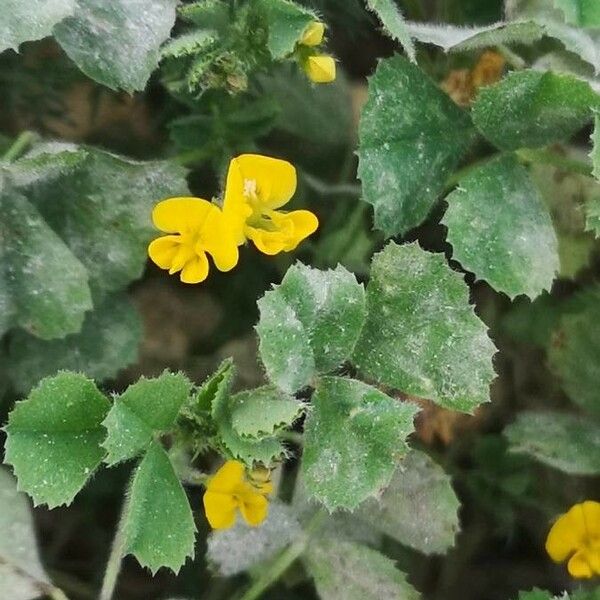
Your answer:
<point x="229" y="490"/>
<point x="576" y="536"/>
<point x="320" y="68"/>
<point x="257" y="186"/>
<point x="196" y="227"/>
<point x="313" y="34"/>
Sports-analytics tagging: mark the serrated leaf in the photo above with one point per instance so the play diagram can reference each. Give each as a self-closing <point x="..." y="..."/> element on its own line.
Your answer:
<point x="394" y="24"/>
<point x="582" y="13"/>
<point x="209" y="14"/>
<point x="22" y="576"/>
<point x="43" y="286"/>
<point x="532" y="108"/>
<point x="259" y="412"/>
<point x="419" y="508"/>
<point x="595" y="154"/>
<point x="31" y="20"/>
<point x="108" y="342"/>
<point x="421" y="335"/>
<point x="117" y="44"/>
<point x="404" y="168"/>
<point x="188" y="43"/>
<point x="158" y="522"/>
<point x="353" y="436"/>
<point x="286" y="22"/>
<point x="53" y="438"/>
<point x="228" y="549"/>
<point x="352" y="571"/>
<point x="100" y="205"/>
<point x="567" y="442"/>
<point x="500" y="229"/>
<point x="142" y="411"/>
<point x="453" y="38"/>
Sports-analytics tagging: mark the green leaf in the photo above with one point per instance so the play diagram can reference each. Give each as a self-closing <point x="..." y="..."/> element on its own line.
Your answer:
<point x="421" y="335"/>
<point x="228" y="549"/>
<point x="419" y="508"/>
<point x="352" y="571"/>
<point x="100" y="205"/>
<point x="567" y="442"/>
<point x="354" y="435"/>
<point x="500" y="229"/>
<point x="453" y="38"/>
<point x="404" y="168"/>
<point x="117" y="44"/>
<point x="145" y="409"/>
<point x="22" y="576"/>
<point x="43" y="286"/>
<point x="32" y="20"/>
<point x="158" y="521"/>
<point x="188" y="43"/>
<point x="209" y="14"/>
<point x="575" y="355"/>
<point x="108" y="342"/>
<point x="533" y="108"/>
<point x="286" y="22"/>
<point x="595" y="154"/>
<point x="394" y="24"/>
<point x="53" y="438"/>
<point x="582" y="13"/>
<point x="262" y="411"/>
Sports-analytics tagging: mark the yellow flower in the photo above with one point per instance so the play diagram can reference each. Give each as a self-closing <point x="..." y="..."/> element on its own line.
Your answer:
<point x="257" y="186"/>
<point x="229" y="490"/>
<point x="320" y="68"/>
<point x="576" y="536"/>
<point x="313" y="34"/>
<point x="196" y="227"/>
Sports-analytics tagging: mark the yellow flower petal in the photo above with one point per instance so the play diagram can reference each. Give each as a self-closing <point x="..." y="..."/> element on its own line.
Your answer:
<point x="320" y="68"/>
<point x="304" y="223"/>
<point x="228" y="478"/>
<point x="273" y="180"/>
<point x="163" y="249"/>
<point x="180" y="215"/>
<point x="195" y="270"/>
<point x="567" y="534"/>
<point x="591" y="518"/>
<point x="313" y="34"/>
<point x="219" y="241"/>
<point x="219" y="509"/>
<point x="579" y="566"/>
<point x="254" y="507"/>
<point x="267" y="242"/>
<point x="183" y="254"/>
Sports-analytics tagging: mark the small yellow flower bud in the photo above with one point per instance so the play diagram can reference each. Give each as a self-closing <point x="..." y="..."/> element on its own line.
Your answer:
<point x="320" y="68"/>
<point x="313" y="34"/>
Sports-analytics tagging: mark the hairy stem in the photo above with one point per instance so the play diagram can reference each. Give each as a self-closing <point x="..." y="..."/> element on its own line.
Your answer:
<point x="23" y="141"/>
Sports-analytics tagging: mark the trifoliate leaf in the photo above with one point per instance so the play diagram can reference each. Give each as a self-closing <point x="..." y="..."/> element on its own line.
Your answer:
<point x="31" y="20"/>
<point x="117" y="44"/>
<point x="142" y="411"/>
<point x="501" y="230"/>
<point x="532" y="108"/>
<point x="354" y="435"/>
<point x="352" y="571"/>
<point x="419" y="508"/>
<point x="53" y="438"/>
<point x="22" y="576"/>
<point x="421" y="335"/>
<point x="582" y="13"/>
<point x="259" y="412"/>
<point x="394" y="24"/>
<point x="158" y="521"/>
<point x="108" y="342"/>
<point x="43" y="286"/>
<point x="595" y="155"/>
<point x="567" y="442"/>
<point x="228" y="549"/>
<point x="404" y="166"/>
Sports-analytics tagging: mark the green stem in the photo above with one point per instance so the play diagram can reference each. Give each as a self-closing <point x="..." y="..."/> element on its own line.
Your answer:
<point x="57" y="594"/>
<point x="116" y="555"/>
<point x="23" y="141"/>
<point x="513" y="59"/>
<point x="328" y="189"/>
<point x="547" y="157"/>
<point x="281" y="564"/>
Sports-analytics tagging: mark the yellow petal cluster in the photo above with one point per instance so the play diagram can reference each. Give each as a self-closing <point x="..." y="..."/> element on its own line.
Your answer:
<point x="257" y="186"/>
<point x="575" y="537"/>
<point x="231" y="491"/>
<point x="320" y="68"/>
<point x="313" y="34"/>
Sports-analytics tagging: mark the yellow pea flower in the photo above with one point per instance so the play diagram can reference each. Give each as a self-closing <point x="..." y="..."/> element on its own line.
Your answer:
<point x="196" y="227"/>
<point x="230" y="490"/>
<point x="257" y="186"/>
<point x="313" y="34"/>
<point x="576" y="536"/>
<point x="320" y="68"/>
